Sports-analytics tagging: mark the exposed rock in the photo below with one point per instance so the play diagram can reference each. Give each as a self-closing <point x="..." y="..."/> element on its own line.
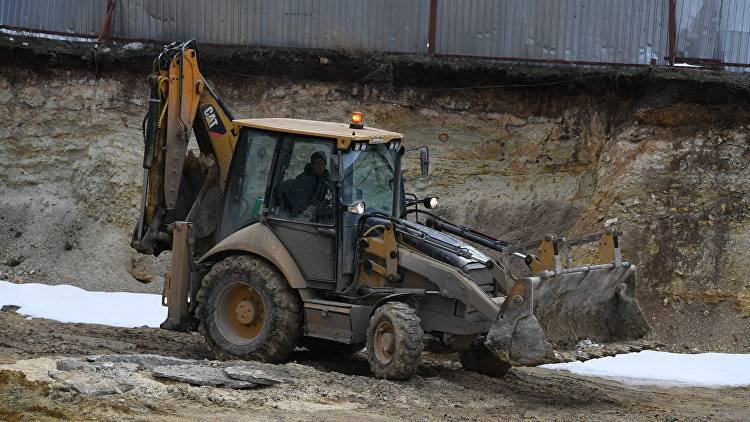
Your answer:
<point x="200" y="375"/>
<point x="94" y="380"/>
<point x="10" y="308"/>
<point x="15" y="261"/>
<point x="88" y="375"/>
<point x="143" y="361"/>
<point x="258" y="373"/>
<point x="428" y="112"/>
<point x="90" y="386"/>
<point x="69" y="365"/>
<point x="586" y="344"/>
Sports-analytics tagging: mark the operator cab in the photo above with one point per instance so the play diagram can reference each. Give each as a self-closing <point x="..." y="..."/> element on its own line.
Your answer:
<point x="309" y="181"/>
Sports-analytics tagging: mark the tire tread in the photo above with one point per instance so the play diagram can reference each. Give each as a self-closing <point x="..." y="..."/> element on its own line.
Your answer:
<point x="408" y="328"/>
<point x="285" y="305"/>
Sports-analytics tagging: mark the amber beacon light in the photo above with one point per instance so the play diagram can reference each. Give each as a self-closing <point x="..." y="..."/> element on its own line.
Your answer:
<point x="357" y="120"/>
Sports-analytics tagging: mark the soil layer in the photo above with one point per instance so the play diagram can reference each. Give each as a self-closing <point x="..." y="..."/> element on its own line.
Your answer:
<point x="332" y="389"/>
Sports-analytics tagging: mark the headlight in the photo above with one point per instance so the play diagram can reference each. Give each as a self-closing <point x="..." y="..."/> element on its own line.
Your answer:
<point x="357" y="208"/>
<point x="430" y="202"/>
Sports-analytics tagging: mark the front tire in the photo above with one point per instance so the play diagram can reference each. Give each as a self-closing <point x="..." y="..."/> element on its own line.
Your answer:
<point x="394" y="341"/>
<point x="247" y="310"/>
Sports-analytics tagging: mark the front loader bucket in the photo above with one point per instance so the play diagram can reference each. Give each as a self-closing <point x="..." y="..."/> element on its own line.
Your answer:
<point x="558" y="310"/>
<point x="596" y="303"/>
<point x="559" y="306"/>
<point x="516" y="336"/>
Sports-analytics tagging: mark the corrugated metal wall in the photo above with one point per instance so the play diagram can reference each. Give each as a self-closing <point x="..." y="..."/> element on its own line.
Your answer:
<point x="65" y="16"/>
<point x="610" y="31"/>
<point x="389" y="25"/>
<point x="714" y="29"/>
<point x="577" y="31"/>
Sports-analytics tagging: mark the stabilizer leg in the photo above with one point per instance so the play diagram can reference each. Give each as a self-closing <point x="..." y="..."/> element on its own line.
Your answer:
<point x="177" y="282"/>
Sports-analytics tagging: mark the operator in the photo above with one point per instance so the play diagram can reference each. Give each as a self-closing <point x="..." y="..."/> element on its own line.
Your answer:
<point x="310" y="187"/>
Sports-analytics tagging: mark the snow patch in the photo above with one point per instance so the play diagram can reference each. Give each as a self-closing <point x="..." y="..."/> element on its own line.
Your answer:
<point x="133" y="46"/>
<point x="669" y="369"/>
<point x="71" y="304"/>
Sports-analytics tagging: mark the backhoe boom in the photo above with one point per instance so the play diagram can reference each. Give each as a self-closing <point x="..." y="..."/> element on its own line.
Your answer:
<point x="175" y="181"/>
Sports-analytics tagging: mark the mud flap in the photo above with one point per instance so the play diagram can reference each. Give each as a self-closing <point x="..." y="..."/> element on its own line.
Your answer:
<point x="516" y="336"/>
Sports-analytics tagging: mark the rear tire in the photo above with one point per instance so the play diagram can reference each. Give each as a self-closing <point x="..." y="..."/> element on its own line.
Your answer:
<point x="394" y="341"/>
<point x="247" y="310"/>
<point x="478" y="358"/>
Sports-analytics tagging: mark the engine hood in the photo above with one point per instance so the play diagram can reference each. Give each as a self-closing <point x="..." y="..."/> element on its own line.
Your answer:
<point x="454" y="251"/>
<point x="447" y="249"/>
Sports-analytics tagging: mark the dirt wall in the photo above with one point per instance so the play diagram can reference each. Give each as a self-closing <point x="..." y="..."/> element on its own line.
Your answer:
<point x="668" y="157"/>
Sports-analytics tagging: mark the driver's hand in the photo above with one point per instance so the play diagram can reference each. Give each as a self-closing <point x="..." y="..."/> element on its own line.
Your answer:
<point x="309" y="212"/>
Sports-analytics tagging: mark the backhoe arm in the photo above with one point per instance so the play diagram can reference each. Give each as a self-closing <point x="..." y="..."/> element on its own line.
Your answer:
<point x="177" y="184"/>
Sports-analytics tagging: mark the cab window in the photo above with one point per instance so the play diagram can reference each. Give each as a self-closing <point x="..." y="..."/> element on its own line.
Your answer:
<point x="368" y="177"/>
<point x="248" y="179"/>
<point x="302" y="188"/>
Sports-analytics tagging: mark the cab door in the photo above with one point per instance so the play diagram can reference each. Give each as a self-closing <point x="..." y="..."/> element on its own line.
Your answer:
<point x="301" y="207"/>
<point x="246" y="189"/>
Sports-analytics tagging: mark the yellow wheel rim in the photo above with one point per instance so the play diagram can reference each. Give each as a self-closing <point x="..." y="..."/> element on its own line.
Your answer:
<point x="240" y="314"/>
<point x="384" y="342"/>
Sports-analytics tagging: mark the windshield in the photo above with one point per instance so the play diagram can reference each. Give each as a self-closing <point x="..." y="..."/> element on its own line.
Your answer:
<point x="368" y="177"/>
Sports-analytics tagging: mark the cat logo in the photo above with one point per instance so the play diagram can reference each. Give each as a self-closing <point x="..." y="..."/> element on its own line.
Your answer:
<point x="210" y="114"/>
<point x="215" y="126"/>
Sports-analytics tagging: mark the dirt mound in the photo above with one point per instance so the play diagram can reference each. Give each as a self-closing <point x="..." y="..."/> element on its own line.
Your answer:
<point x="21" y="399"/>
<point x="69" y="194"/>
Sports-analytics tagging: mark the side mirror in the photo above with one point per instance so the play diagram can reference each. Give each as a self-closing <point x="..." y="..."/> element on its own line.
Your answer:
<point x="424" y="160"/>
<point x="356" y="207"/>
<point x="335" y="168"/>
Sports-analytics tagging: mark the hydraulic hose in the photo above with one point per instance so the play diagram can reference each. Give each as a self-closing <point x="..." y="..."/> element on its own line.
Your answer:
<point x="151" y="119"/>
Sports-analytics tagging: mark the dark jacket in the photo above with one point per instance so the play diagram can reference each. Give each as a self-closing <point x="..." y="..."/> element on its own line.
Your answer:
<point x="304" y="190"/>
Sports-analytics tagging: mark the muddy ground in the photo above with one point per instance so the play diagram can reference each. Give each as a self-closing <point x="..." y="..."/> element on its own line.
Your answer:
<point x="332" y="389"/>
<point x="536" y="151"/>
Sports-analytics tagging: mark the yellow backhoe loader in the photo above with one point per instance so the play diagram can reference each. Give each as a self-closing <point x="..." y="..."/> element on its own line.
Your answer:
<point x="290" y="233"/>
